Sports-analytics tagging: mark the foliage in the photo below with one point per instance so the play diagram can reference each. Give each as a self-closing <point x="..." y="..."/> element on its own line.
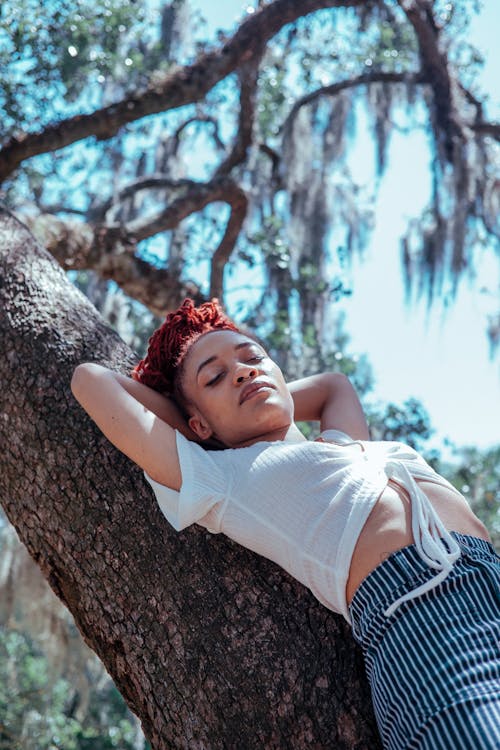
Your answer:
<point x="408" y="422"/>
<point x="38" y="714"/>
<point x="59" y="59"/>
<point x="476" y="474"/>
<point x="56" y="56"/>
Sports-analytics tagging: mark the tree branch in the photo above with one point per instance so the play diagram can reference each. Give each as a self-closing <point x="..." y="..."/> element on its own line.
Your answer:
<point x="200" y="194"/>
<point x="57" y="208"/>
<point x="249" y="75"/>
<point x="487" y="128"/>
<point x="176" y="88"/>
<point x="201" y="118"/>
<point x="239" y="206"/>
<point x="336" y="88"/>
<point x="434" y="65"/>
<point x="472" y="100"/>
<point x="111" y="250"/>
<point x="153" y="181"/>
<point x="222" y="189"/>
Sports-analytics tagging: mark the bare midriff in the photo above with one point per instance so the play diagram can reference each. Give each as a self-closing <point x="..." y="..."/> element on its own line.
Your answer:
<point x="388" y="527"/>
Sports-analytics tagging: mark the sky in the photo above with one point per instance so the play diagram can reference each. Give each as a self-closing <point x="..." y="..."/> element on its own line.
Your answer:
<point x="441" y="357"/>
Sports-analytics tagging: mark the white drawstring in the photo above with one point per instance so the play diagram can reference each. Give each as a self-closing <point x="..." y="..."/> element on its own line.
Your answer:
<point x="434" y="543"/>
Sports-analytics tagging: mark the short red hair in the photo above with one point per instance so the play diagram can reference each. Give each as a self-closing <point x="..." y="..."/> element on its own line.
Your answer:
<point x="170" y="342"/>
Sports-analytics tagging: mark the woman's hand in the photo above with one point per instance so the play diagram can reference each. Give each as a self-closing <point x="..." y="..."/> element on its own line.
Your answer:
<point x="330" y="399"/>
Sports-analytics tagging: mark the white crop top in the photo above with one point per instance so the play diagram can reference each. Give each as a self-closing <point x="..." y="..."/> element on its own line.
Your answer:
<point x="304" y="504"/>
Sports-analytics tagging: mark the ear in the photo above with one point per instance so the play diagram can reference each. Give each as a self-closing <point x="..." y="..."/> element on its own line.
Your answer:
<point x="200" y="427"/>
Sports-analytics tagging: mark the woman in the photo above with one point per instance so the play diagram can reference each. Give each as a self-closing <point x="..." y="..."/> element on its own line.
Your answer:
<point x="369" y="527"/>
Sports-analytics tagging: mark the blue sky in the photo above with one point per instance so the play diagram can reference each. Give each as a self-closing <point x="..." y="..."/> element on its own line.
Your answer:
<point x="441" y="357"/>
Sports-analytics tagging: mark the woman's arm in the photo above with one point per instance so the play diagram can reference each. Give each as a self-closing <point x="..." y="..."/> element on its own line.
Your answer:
<point x="136" y="419"/>
<point x="330" y="399"/>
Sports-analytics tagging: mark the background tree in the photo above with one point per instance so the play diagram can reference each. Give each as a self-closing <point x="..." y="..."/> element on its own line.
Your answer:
<point x="40" y="713"/>
<point x="476" y="474"/>
<point x="269" y="113"/>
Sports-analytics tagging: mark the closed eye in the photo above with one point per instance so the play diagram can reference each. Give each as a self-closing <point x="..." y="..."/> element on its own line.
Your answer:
<point x="220" y="375"/>
<point x="214" y="380"/>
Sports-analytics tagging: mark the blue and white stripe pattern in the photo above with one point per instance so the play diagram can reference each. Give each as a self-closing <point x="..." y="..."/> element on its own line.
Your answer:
<point x="434" y="664"/>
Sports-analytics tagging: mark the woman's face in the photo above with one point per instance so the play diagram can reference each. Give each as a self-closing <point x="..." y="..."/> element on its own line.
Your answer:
<point x="235" y="392"/>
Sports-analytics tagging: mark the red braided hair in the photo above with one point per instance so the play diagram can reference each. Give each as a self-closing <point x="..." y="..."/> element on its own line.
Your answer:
<point x="170" y="342"/>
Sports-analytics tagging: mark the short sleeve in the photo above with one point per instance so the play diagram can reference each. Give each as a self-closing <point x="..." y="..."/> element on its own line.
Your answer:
<point x="203" y="491"/>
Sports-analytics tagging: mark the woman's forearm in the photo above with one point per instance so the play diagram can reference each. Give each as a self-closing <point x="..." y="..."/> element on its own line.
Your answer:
<point x="162" y="406"/>
<point x="310" y="396"/>
<point x="133" y="418"/>
<point x="330" y="399"/>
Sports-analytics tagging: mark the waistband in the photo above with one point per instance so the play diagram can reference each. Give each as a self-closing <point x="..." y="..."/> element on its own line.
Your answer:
<point x="403" y="572"/>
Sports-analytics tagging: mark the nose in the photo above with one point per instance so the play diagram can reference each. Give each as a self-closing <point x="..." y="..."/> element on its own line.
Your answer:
<point x="244" y="372"/>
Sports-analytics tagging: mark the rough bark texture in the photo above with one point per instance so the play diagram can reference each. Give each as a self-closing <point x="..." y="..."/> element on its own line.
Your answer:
<point x="211" y="646"/>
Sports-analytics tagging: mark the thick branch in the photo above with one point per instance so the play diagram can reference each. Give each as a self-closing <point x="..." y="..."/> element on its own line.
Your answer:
<point x="111" y="250"/>
<point x="176" y="88"/>
<point x="195" y="199"/>
<point x="222" y="189"/>
<point x="239" y="205"/>
<point x="434" y="65"/>
<point x="249" y="75"/>
<point x="211" y="646"/>
<point x="487" y="128"/>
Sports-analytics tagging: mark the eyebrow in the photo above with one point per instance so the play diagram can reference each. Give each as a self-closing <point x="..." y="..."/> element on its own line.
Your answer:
<point x="241" y="345"/>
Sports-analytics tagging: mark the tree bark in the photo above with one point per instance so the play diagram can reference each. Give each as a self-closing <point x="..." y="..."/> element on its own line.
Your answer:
<point x="211" y="646"/>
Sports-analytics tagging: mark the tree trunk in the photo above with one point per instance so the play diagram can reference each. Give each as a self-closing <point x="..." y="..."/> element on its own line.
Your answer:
<point x="211" y="646"/>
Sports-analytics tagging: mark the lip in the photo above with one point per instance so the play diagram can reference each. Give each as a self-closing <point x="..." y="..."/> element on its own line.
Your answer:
<point x="253" y="387"/>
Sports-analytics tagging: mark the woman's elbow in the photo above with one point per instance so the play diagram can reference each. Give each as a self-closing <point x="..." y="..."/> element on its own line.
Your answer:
<point x="77" y="380"/>
<point x="84" y="378"/>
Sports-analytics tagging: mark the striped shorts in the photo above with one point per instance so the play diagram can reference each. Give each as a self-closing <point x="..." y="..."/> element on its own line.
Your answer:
<point x="434" y="664"/>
